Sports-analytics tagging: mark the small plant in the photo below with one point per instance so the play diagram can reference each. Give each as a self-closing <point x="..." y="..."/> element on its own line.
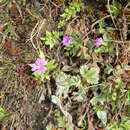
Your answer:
<point x="52" y="38"/>
<point x="42" y="68"/>
<point x="105" y="45"/>
<point x="102" y="115"/>
<point x="50" y="66"/>
<point x="115" y="8"/>
<point x="2" y="1"/>
<point x="99" y="42"/>
<point x="70" y="13"/>
<point x="124" y="125"/>
<point x="62" y="24"/>
<point x="4" y="116"/>
<point x="75" y="45"/>
<point x="66" y="41"/>
<point x="91" y="75"/>
<point x="61" y="122"/>
<point x="72" y="10"/>
<point x="64" y="82"/>
<point x="128" y="97"/>
<point x="39" y="66"/>
<point x="81" y="95"/>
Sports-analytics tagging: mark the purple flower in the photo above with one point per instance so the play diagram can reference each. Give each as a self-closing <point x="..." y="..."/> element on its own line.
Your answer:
<point x="39" y="66"/>
<point x="66" y="41"/>
<point x="99" y="42"/>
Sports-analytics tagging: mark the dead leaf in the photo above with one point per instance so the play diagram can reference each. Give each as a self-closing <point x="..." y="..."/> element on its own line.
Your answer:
<point x="14" y="13"/>
<point x="3" y="128"/>
<point x="2" y="96"/>
<point x="2" y="26"/>
<point x="81" y="26"/>
<point x="10" y="48"/>
<point x="69" y="30"/>
<point x="86" y="41"/>
<point x="97" y="59"/>
<point x="90" y="124"/>
<point x="126" y="74"/>
<point x="84" y="52"/>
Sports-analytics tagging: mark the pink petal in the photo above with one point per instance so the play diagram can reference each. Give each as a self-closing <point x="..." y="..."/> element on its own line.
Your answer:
<point x="41" y="70"/>
<point x="40" y="62"/>
<point x="99" y="42"/>
<point x="66" y="41"/>
<point x="34" y="67"/>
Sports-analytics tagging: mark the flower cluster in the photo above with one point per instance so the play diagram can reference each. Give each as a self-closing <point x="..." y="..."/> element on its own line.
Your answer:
<point x="66" y="41"/>
<point x="99" y="42"/>
<point x="39" y="66"/>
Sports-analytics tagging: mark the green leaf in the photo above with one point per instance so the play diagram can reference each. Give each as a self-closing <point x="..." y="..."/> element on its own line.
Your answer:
<point x="1" y="1"/>
<point x="90" y="75"/>
<point x="124" y="125"/>
<point x="115" y="8"/>
<point x="83" y="70"/>
<point x="128" y="97"/>
<point x="49" y="127"/>
<point x="41" y="77"/>
<point x="81" y="95"/>
<point x="114" y="96"/>
<point x="52" y="38"/>
<point x="41" y="55"/>
<point x="69" y="126"/>
<point x="55" y="100"/>
<point x="127" y="124"/>
<point x="105" y="36"/>
<point x="4" y="115"/>
<point x="63" y="84"/>
<point x="51" y="65"/>
<point x="61" y="24"/>
<point x="108" y="69"/>
<point x="72" y="10"/>
<point x="97" y="99"/>
<point x="62" y="121"/>
<point x="113" y="126"/>
<point x="63" y="79"/>
<point x="76" y="45"/>
<point x="75" y="81"/>
<point x="102" y="115"/>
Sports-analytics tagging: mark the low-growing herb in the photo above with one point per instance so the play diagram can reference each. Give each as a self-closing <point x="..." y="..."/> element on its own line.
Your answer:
<point x="52" y="38"/>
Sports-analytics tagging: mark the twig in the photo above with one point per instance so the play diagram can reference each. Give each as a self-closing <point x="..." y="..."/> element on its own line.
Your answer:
<point x="49" y="113"/>
<point x="55" y="4"/>
<point x="1" y="6"/>
<point x="11" y="127"/>
<point x="19" y="9"/>
<point x="92" y="26"/>
<point x="117" y="41"/>
<point x="100" y="20"/>
<point x="109" y="9"/>
<point x="69" y="117"/>
<point x="33" y="33"/>
<point x="93" y="86"/>
<point x="73" y="20"/>
<point x="127" y="5"/>
<point x="82" y="118"/>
